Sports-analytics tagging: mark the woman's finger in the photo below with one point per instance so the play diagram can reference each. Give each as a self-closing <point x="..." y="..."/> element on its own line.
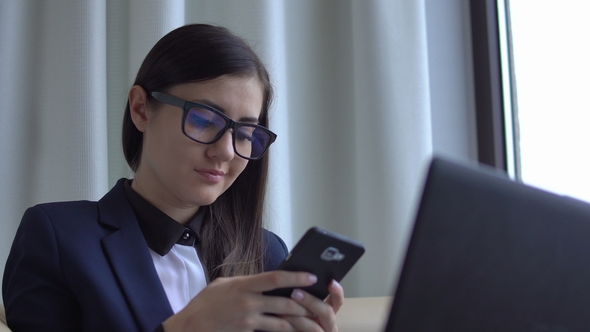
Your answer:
<point x="279" y="279"/>
<point x="302" y="323"/>
<point x="323" y="311"/>
<point x="279" y="305"/>
<point x="275" y="323"/>
<point x="336" y="297"/>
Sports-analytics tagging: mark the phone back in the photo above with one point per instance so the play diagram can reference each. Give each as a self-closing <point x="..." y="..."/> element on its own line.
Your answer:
<point x="326" y="254"/>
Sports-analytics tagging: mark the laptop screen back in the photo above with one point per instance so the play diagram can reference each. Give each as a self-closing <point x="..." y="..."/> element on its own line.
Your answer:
<point x="489" y="254"/>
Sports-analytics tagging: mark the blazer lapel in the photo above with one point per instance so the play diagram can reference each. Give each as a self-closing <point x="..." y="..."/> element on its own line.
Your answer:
<point x="131" y="261"/>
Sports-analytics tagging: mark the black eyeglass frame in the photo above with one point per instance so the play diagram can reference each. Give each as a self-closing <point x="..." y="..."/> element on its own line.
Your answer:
<point x="229" y="123"/>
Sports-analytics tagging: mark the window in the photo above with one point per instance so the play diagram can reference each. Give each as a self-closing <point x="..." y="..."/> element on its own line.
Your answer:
<point x="532" y="82"/>
<point x="548" y="48"/>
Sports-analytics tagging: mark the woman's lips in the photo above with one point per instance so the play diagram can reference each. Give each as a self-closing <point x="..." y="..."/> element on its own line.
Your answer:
<point x="212" y="175"/>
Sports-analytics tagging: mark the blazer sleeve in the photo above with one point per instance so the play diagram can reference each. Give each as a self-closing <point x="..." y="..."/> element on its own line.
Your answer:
<point x="275" y="250"/>
<point x="35" y="292"/>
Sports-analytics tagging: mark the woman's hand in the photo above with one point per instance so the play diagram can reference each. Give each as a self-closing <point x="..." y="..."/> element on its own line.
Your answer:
<point x="237" y="304"/>
<point x="324" y="312"/>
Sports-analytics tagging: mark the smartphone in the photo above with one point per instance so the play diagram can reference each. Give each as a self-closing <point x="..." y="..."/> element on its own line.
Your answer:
<point x="326" y="254"/>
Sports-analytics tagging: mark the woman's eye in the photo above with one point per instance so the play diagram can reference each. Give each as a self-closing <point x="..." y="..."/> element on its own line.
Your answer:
<point x="241" y="136"/>
<point x="245" y="133"/>
<point x="199" y="121"/>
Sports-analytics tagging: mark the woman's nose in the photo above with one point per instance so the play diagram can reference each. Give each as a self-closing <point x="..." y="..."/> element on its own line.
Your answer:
<point x="223" y="149"/>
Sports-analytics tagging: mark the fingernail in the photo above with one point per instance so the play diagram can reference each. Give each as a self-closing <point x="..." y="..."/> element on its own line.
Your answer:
<point x="335" y="283"/>
<point x="297" y="294"/>
<point x="313" y="278"/>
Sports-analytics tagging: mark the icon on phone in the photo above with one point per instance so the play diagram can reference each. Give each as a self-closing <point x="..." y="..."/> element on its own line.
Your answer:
<point x="332" y="254"/>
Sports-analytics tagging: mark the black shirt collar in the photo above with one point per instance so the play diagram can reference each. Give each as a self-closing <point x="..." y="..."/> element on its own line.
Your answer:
<point x="159" y="230"/>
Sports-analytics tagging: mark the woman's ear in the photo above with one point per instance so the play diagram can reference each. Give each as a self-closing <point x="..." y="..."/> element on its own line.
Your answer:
<point x="138" y="107"/>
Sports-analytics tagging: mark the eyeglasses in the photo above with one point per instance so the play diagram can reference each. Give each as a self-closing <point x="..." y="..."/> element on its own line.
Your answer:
<point x="206" y="125"/>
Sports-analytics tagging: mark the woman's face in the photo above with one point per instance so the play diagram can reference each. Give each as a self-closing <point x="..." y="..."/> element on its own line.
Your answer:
<point x="176" y="172"/>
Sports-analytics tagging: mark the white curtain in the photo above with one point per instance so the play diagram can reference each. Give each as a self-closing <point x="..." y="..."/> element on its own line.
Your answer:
<point x="351" y="111"/>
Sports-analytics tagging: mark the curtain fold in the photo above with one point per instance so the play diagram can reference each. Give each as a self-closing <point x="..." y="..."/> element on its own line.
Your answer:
<point x="69" y="151"/>
<point x="393" y="127"/>
<point x="351" y="109"/>
<point x="16" y="83"/>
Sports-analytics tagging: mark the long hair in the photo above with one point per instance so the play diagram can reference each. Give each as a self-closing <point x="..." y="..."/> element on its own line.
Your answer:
<point x="231" y="234"/>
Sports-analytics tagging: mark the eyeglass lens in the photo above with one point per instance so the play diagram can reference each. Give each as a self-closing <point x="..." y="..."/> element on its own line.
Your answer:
<point x="205" y="126"/>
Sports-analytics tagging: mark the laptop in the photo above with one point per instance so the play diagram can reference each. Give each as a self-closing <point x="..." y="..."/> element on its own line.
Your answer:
<point x="491" y="254"/>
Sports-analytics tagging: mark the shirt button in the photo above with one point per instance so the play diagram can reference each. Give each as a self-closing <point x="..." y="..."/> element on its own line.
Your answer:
<point x="186" y="235"/>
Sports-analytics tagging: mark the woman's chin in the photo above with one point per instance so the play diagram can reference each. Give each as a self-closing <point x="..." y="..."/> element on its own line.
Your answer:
<point x="204" y="200"/>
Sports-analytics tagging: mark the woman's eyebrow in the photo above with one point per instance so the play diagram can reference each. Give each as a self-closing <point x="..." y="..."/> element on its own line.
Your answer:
<point x="208" y="102"/>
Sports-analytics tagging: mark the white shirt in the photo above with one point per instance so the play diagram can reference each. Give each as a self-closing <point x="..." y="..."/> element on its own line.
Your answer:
<point x="181" y="274"/>
<point x="178" y="266"/>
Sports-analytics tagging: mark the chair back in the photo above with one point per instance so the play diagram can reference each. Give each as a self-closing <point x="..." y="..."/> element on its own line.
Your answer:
<point x="3" y="326"/>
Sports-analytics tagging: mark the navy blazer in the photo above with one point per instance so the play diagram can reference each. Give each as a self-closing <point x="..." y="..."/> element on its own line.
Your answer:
<point x="85" y="266"/>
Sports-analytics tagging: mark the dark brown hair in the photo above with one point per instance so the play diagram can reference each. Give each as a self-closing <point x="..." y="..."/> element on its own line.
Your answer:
<point x="231" y="234"/>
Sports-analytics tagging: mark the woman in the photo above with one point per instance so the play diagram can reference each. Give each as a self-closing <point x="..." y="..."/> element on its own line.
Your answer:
<point x="195" y="134"/>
